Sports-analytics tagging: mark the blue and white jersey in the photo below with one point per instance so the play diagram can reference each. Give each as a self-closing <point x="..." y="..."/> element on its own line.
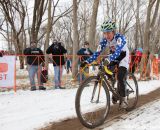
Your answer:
<point x="118" y="44"/>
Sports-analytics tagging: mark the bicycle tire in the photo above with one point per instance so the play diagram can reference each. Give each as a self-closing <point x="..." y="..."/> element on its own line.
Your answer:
<point x="129" y="108"/>
<point x="78" y="107"/>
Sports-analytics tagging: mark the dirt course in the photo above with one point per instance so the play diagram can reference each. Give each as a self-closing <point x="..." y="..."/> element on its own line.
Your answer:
<point x="74" y="124"/>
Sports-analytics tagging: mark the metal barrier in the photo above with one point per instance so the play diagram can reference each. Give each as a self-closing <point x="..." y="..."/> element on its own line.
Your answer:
<point x="22" y="76"/>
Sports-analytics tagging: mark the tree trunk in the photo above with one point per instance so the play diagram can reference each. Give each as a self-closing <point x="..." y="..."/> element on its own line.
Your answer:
<point x="37" y="19"/>
<point x="137" y="20"/>
<point x="49" y="28"/>
<point x="147" y="26"/>
<point x="93" y="22"/>
<point x="8" y="37"/>
<point x="85" y="22"/>
<point x="75" y="39"/>
<point x="145" y="60"/>
<point x="19" y="48"/>
<point x="141" y="35"/>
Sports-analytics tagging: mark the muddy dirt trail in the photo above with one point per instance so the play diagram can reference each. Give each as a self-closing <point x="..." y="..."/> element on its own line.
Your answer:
<point x="74" y="124"/>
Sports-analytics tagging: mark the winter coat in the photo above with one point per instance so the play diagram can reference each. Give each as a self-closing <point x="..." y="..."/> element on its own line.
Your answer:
<point x="58" y="51"/>
<point x="84" y="53"/>
<point x="34" y="56"/>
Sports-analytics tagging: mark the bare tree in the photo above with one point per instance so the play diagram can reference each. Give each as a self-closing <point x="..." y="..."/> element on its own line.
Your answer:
<point x="137" y="23"/>
<point x="75" y="38"/>
<point x="38" y="12"/>
<point x="92" y="30"/>
<point x="156" y="37"/>
<point x="49" y="28"/>
<point x="148" y="25"/>
<point x="84" y="18"/>
<point x="54" y="20"/>
<point x="12" y="10"/>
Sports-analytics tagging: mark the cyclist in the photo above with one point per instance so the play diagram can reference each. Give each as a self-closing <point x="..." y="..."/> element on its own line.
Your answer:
<point x="119" y="52"/>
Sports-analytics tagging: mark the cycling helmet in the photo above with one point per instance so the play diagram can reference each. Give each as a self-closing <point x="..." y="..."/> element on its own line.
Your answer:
<point x="108" y="26"/>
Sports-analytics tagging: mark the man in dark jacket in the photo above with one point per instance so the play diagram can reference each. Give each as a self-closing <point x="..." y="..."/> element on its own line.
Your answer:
<point x="35" y="60"/>
<point x="58" y="51"/>
<point x="84" y="53"/>
<point x="1" y="53"/>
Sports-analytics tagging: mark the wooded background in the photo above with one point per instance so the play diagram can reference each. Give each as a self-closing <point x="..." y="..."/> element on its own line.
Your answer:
<point x="75" y="21"/>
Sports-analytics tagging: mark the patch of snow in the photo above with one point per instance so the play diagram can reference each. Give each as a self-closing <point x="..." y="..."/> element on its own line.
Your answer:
<point x="146" y="117"/>
<point x="26" y="110"/>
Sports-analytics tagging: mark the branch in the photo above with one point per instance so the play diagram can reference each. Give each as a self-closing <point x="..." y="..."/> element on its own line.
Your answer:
<point x="63" y="14"/>
<point x="3" y="35"/>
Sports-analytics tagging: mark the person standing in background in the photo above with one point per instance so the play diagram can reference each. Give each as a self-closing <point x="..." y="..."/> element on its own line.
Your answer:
<point x="58" y="51"/>
<point x="1" y="55"/>
<point x="35" y="60"/>
<point x="84" y="53"/>
<point x="132" y="67"/>
<point x="68" y="65"/>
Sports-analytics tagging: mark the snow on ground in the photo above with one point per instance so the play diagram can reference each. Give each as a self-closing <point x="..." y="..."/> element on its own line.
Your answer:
<point x="24" y="72"/>
<point x="26" y="110"/>
<point x="22" y="78"/>
<point x="146" y="117"/>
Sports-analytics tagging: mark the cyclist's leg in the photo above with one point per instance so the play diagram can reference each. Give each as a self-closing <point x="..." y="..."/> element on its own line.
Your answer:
<point x="122" y="71"/>
<point x="114" y="99"/>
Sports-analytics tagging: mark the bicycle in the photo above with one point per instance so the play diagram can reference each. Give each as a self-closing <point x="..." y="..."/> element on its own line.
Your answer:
<point x="97" y="92"/>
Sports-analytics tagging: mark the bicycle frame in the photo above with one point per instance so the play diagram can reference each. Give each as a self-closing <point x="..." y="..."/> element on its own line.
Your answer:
<point x="110" y="87"/>
<point x="101" y="76"/>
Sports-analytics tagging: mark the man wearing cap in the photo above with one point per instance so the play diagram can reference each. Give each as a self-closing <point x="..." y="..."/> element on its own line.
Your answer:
<point x="35" y="59"/>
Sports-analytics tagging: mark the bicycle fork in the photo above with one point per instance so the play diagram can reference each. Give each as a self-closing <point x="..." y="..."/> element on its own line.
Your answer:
<point x="94" y="90"/>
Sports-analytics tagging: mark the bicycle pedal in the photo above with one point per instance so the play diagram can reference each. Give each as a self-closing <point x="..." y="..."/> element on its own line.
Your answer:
<point x="114" y="102"/>
<point x="122" y="109"/>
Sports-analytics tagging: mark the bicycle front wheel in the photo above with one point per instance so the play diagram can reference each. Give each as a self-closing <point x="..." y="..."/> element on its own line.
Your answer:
<point x="131" y="91"/>
<point x="92" y="102"/>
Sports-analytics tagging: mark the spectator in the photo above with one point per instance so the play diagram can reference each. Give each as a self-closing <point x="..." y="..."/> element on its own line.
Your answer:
<point x="68" y="65"/>
<point x="84" y="54"/>
<point x="138" y="54"/>
<point x="132" y="62"/>
<point x="1" y="54"/>
<point x="58" y="51"/>
<point x="34" y="65"/>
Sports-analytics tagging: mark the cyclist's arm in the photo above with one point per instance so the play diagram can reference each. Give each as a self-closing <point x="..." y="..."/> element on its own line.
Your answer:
<point x="121" y="42"/>
<point x="100" y="49"/>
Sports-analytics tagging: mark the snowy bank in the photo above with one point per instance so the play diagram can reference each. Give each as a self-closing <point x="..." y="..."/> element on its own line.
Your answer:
<point x="28" y="110"/>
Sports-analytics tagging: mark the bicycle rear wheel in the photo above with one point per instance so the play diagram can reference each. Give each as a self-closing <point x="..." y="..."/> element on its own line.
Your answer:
<point x="131" y="91"/>
<point x="92" y="102"/>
